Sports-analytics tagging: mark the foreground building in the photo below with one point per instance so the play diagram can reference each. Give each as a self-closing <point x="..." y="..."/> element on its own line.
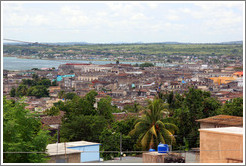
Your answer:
<point x="221" y="145"/>
<point x="73" y="152"/>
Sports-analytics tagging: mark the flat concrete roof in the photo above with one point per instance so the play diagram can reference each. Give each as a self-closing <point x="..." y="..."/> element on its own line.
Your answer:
<point x="229" y="130"/>
<point x="62" y="148"/>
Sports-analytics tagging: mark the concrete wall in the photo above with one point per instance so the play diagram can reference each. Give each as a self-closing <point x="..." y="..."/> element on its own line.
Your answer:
<point x="207" y="125"/>
<point x="211" y="125"/>
<point x="153" y="157"/>
<point x="89" y="153"/>
<point x="216" y="147"/>
<point x="71" y="158"/>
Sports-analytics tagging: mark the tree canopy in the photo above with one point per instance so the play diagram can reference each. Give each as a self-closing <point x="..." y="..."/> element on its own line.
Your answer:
<point x="36" y="87"/>
<point x="22" y="133"/>
<point x="186" y="109"/>
<point x="151" y="130"/>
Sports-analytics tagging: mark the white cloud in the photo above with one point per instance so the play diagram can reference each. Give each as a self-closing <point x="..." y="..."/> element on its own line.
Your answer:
<point x="152" y="5"/>
<point x="185" y="10"/>
<point x="130" y="18"/>
<point x="172" y="17"/>
<point x="139" y="16"/>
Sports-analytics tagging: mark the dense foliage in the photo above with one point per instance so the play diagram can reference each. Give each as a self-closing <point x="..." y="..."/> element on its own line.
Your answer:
<point x="90" y="121"/>
<point x="83" y="121"/>
<point x="53" y="111"/>
<point x="151" y="130"/>
<point x="37" y="87"/>
<point x="193" y="105"/>
<point x="22" y="133"/>
<point x="170" y="119"/>
<point x="233" y="107"/>
<point x="111" y="136"/>
<point x="136" y="107"/>
<point x="146" y="64"/>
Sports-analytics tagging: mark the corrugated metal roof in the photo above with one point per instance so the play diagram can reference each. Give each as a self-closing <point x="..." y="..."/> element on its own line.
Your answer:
<point x="62" y="148"/>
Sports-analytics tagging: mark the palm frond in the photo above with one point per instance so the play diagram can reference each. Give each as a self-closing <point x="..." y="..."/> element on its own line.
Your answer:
<point x="167" y="135"/>
<point x="153" y="131"/>
<point x="145" y="139"/>
<point x="160" y="124"/>
<point x="161" y="139"/>
<point x="171" y="127"/>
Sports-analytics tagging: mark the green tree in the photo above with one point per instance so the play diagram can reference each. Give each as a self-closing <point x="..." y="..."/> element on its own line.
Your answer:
<point x="196" y="104"/>
<point x="105" y="108"/>
<point x="110" y="141"/>
<point x="234" y="107"/>
<point x="53" y="111"/>
<point x="21" y="90"/>
<point x="12" y="92"/>
<point x="146" y="64"/>
<point x="82" y="127"/>
<point x="28" y="82"/>
<point x="136" y="107"/>
<point x="45" y="82"/>
<point x="38" y="91"/>
<point x="81" y="121"/>
<point x="124" y="126"/>
<point x="54" y="83"/>
<point x="70" y="95"/>
<point x="22" y="133"/>
<point x="35" y="77"/>
<point x="61" y="94"/>
<point x="81" y="106"/>
<point x="151" y="130"/>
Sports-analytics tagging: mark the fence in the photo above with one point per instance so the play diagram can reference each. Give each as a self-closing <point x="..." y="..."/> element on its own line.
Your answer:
<point x="190" y="156"/>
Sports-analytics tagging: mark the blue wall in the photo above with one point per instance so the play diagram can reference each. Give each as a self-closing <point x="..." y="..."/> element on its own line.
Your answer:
<point x="89" y="156"/>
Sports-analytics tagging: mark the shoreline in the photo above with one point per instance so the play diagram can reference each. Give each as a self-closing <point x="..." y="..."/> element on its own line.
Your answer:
<point x="27" y="63"/>
<point x="78" y="59"/>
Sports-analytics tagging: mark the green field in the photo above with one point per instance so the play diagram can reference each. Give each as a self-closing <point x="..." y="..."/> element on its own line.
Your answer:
<point x="139" y="51"/>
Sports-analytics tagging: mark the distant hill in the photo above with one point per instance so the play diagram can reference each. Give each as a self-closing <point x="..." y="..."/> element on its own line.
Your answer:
<point x="233" y="42"/>
<point x="119" y="43"/>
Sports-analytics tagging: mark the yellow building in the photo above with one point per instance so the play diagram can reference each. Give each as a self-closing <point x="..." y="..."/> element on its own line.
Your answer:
<point x="222" y="80"/>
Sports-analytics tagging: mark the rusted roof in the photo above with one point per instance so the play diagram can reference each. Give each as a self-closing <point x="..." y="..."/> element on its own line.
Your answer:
<point x="52" y="120"/>
<point x="224" y="120"/>
<point x="123" y="115"/>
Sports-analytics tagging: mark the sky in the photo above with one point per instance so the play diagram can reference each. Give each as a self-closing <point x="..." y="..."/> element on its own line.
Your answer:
<point x="108" y="22"/>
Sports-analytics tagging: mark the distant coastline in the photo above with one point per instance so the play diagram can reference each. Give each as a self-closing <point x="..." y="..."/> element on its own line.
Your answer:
<point x="26" y="57"/>
<point x="15" y="63"/>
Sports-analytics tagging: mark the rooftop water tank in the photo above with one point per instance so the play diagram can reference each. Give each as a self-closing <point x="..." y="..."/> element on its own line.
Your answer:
<point x="163" y="148"/>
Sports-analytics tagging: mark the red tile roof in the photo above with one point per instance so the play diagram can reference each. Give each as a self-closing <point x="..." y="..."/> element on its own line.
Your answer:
<point x="238" y="73"/>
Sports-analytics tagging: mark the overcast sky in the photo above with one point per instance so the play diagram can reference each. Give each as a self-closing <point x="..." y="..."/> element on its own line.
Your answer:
<point x="106" y="22"/>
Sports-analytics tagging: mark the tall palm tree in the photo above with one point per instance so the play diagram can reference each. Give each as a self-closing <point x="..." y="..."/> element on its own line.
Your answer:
<point x="151" y="130"/>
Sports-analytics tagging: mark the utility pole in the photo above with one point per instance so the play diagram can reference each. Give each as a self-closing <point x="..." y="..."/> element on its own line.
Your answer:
<point x="65" y="152"/>
<point x="171" y="147"/>
<point x="120" y="146"/>
<point x="57" y="139"/>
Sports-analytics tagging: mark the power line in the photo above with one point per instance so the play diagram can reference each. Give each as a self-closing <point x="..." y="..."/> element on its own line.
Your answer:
<point x="20" y="41"/>
<point x="180" y="151"/>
